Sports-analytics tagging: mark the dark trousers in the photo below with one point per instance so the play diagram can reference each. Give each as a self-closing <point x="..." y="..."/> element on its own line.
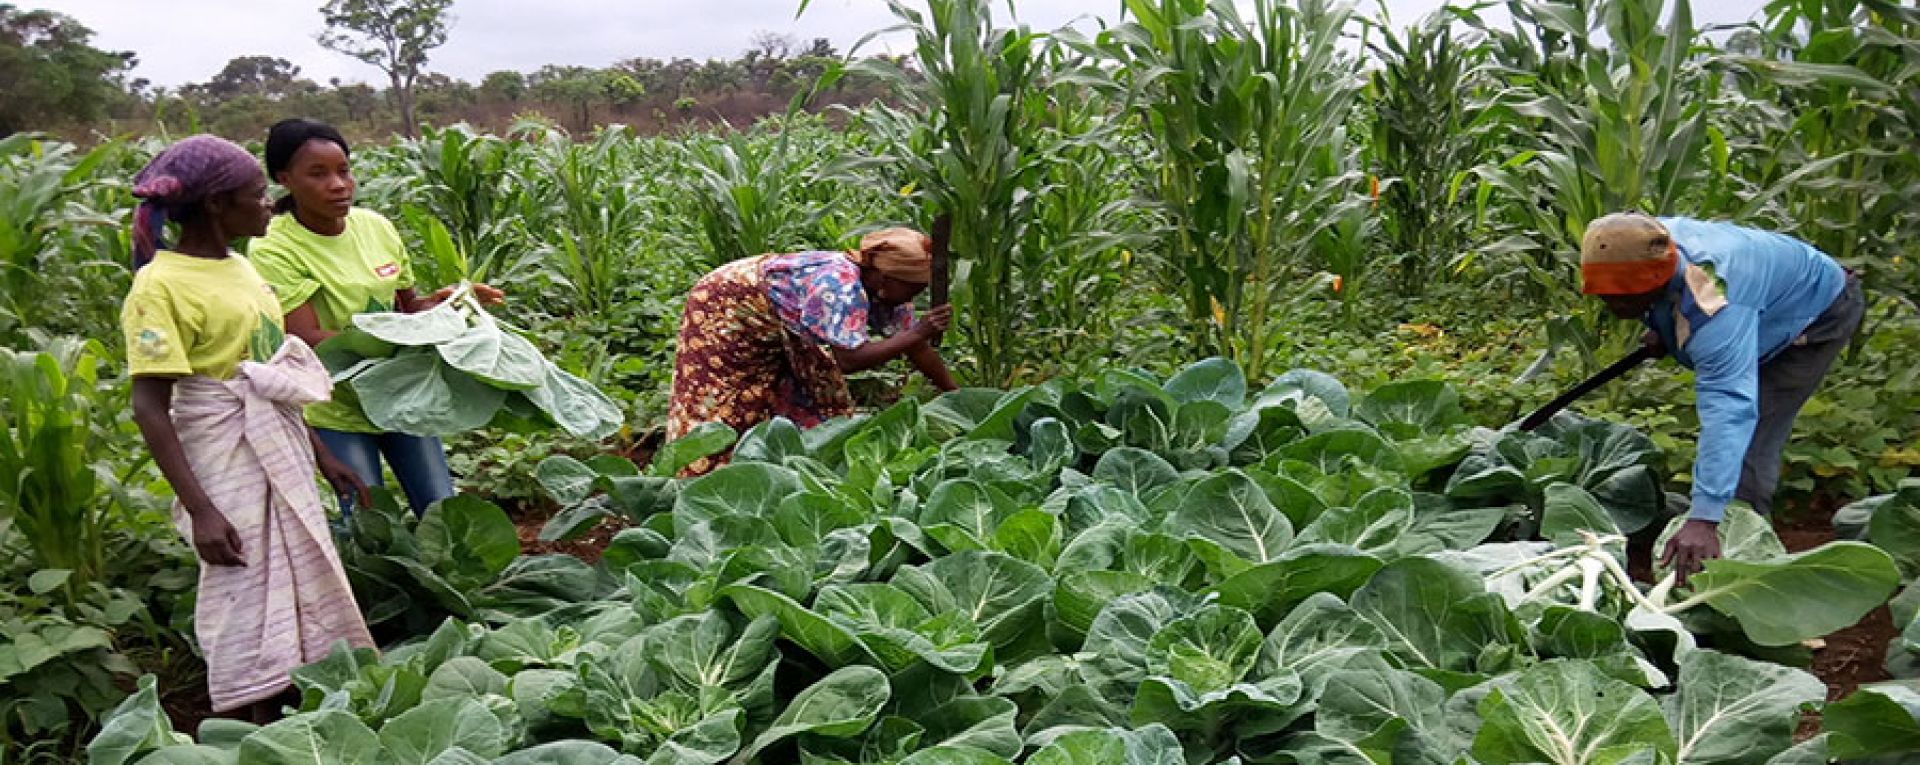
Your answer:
<point x="1786" y="382"/>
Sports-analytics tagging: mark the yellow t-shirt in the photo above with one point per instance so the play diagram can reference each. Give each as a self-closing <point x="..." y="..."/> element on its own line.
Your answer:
<point x="357" y="271"/>
<point x="198" y="316"/>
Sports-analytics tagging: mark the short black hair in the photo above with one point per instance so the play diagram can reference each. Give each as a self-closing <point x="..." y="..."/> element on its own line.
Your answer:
<point x="284" y="140"/>
<point x="286" y="137"/>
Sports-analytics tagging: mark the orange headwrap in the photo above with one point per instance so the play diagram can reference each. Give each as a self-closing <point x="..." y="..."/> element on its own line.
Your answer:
<point x="901" y="253"/>
<point x="1626" y="254"/>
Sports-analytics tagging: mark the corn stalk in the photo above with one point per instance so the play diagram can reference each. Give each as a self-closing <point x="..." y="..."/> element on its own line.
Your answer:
<point x="971" y="139"/>
<point x="54" y="495"/>
<point x="1077" y="254"/>
<point x="1424" y="142"/>
<point x="1835" y="164"/>
<point x="749" y="194"/>
<point x="1248" y="119"/>
<point x="598" y="212"/>
<point x="471" y="183"/>
<point x="1596" y="129"/>
<point x="62" y="245"/>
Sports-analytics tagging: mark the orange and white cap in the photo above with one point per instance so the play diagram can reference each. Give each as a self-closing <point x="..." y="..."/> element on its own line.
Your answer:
<point x="1626" y="254"/>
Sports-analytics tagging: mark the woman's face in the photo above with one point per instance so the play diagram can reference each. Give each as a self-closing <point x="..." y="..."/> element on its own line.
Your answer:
<point x="320" y="179"/>
<point x="889" y="291"/>
<point x="245" y="211"/>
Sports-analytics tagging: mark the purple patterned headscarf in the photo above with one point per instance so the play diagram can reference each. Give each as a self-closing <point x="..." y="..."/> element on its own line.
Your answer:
<point x="184" y="175"/>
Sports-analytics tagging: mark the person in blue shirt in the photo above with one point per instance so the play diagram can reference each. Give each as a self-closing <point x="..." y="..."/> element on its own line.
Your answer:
<point x="1758" y="316"/>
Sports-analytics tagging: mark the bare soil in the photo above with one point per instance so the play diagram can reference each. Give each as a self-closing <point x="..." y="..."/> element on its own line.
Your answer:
<point x="1853" y="656"/>
<point x="587" y="548"/>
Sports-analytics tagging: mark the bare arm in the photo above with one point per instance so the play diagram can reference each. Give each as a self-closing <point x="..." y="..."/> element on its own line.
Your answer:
<point x="213" y="536"/>
<point x="878" y="352"/>
<point x="927" y="359"/>
<point x="304" y="323"/>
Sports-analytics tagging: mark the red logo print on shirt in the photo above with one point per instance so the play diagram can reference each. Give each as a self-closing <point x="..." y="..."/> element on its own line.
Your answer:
<point x="387" y="271"/>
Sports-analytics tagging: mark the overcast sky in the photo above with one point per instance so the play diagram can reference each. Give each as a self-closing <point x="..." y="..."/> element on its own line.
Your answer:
<point x="180" y="41"/>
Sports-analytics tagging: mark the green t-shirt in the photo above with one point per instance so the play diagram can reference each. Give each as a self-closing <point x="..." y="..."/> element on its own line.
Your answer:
<point x="198" y="316"/>
<point x="341" y="276"/>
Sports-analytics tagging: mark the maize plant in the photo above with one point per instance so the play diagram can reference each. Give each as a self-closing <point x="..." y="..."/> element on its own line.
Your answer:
<point x="749" y="193"/>
<point x="971" y="139"/>
<point x="596" y="212"/>
<point x="1424" y="140"/>
<point x="1595" y="129"/>
<point x="55" y="496"/>
<point x="63" y="252"/>
<point x="1248" y="119"/>
<point x="1836" y="164"/>
<point x="472" y="183"/>
<point x="1079" y="248"/>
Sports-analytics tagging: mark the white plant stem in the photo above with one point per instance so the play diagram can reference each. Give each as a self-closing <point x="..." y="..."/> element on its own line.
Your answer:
<point x="1590" y="571"/>
<point x="1592" y="564"/>
<point x="1626" y="584"/>
<point x="1553" y="581"/>
<point x="1564" y="552"/>
<point x="1686" y="604"/>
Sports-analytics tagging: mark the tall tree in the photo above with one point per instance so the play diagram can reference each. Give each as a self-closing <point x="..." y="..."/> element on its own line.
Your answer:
<point x="264" y="76"/>
<point x="52" y="74"/>
<point x="580" y="87"/>
<point x="392" y="35"/>
<point x="359" y="99"/>
<point x="505" y="85"/>
<point x="771" y="45"/>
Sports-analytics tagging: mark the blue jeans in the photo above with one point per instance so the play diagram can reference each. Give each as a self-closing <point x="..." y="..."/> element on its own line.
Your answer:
<point x="419" y="462"/>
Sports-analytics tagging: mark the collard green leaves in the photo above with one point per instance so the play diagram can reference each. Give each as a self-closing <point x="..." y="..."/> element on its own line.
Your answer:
<point x="1567" y="712"/>
<point x="454" y="368"/>
<point x="1128" y="571"/>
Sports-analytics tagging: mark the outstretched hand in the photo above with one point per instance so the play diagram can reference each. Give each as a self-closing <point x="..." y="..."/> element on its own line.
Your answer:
<point x="488" y="294"/>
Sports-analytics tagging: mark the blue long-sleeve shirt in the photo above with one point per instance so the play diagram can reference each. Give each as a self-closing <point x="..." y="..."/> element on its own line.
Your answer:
<point x="1739" y="296"/>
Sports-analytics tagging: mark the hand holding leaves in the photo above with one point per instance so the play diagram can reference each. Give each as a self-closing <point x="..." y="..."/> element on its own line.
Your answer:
<point x="487" y="295"/>
<point x="1697" y="542"/>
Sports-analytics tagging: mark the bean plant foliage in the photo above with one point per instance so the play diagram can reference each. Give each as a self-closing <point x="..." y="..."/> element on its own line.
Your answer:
<point x="1118" y="570"/>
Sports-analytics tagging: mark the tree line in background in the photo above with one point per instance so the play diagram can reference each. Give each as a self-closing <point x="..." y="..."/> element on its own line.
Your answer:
<point x="68" y="87"/>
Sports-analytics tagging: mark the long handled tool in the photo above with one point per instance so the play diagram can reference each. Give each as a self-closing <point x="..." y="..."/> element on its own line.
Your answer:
<point x="1618" y="368"/>
<point x="942" y="276"/>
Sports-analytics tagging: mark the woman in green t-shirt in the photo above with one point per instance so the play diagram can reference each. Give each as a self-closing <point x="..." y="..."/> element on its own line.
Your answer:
<point x="217" y="394"/>
<point x="329" y="260"/>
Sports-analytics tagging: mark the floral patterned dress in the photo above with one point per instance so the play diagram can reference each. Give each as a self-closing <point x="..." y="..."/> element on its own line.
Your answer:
<point x="753" y="343"/>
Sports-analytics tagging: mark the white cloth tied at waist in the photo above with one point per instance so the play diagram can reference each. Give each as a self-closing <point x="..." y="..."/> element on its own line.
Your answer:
<point x="247" y="443"/>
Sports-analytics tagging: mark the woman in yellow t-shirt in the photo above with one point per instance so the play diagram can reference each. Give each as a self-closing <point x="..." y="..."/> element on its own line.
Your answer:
<point x="329" y="260"/>
<point x="217" y="392"/>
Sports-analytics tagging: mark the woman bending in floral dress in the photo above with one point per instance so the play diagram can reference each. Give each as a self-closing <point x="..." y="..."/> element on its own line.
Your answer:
<point x="774" y="335"/>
